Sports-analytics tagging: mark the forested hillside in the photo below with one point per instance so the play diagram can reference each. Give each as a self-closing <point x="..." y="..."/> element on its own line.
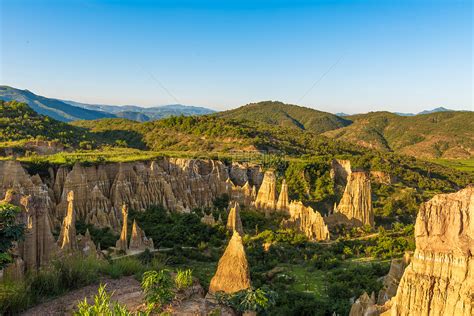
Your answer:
<point x="286" y="115"/>
<point x="434" y="135"/>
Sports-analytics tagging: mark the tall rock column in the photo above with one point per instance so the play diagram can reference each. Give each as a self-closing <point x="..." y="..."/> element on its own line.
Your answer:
<point x="282" y="204"/>
<point x="67" y="238"/>
<point x="233" y="220"/>
<point x="356" y="202"/>
<point x="233" y="274"/>
<point x="122" y="242"/>
<point x="266" y="197"/>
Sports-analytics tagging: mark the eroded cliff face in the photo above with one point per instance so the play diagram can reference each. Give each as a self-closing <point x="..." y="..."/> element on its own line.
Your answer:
<point x="282" y="203"/>
<point x="306" y="220"/>
<point x="356" y="202"/>
<point x="440" y="278"/>
<point x="340" y="171"/>
<point x="234" y="224"/>
<point x="367" y="305"/>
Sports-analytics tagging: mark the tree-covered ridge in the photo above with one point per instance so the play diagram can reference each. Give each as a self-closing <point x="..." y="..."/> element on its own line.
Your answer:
<point x="434" y="135"/>
<point x="19" y="122"/>
<point x="287" y="115"/>
<point x="214" y="134"/>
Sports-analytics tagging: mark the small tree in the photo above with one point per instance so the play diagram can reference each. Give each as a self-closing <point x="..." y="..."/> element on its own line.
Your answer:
<point x="10" y="231"/>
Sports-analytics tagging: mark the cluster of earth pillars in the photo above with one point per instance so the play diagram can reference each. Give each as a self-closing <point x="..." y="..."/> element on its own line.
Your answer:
<point x="436" y="279"/>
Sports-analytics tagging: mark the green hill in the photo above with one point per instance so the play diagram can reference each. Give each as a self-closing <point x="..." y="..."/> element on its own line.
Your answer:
<point x="287" y="115"/>
<point x="434" y="135"/>
<point x="18" y="122"/>
<point x="53" y="108"/>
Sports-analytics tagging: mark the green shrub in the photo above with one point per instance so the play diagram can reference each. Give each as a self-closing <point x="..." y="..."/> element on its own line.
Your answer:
<point x="183" y="279"/>
<point x="251" y="299"/>
<point x="101" y="306"/>
<point x="158" y="289"/>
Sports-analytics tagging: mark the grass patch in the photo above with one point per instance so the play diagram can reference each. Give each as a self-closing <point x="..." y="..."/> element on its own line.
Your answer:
<point x="466" y="165"/>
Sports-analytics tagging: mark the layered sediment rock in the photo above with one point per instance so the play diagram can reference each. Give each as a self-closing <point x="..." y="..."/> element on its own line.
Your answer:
<point x="232" y="273"/>
<point x="282" y="203"/>
<point x="233" y="220"/>
<point x="67" y="238"/>
<point x="392" y="279"/>
<point x="138" y="240"/>
<point x="440" y="278"/>
<point x="306" y="220"/>
<point x="266" y="197"/>
<point x="356" y="202"/>
<point x="122" y="243"/>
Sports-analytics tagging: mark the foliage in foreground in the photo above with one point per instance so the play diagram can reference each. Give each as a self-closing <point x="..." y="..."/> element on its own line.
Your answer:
<point x="102" y="305"/>
<point x="258" y="300"/>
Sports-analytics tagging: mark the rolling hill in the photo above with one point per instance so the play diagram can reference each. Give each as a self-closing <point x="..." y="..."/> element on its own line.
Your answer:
<point x="18" y="122"/>
<point x="443" y="134"/>
<point x="53" y="108"/>
<point x="287" y="115"/>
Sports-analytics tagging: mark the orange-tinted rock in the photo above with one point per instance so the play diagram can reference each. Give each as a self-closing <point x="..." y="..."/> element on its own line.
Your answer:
<point x="356" y="202"/>
<point x="266" y="196"/>
<point x="122" y="243"/>
<point x="67" y="238"/>
<point x="232" y="273"/>
<point x="138" y="240"/>
<point x="233" y="220"/>
<point x="440" y="278"/>
<point x="282" y="203"/>
<point x="307" y="221"/>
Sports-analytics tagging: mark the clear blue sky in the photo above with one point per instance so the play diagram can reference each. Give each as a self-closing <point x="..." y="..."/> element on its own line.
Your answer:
<point x="373" y="55"/>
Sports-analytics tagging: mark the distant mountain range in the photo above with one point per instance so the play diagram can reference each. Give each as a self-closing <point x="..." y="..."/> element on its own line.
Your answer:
<point x="436" y="110"/>
<point x="143" y="114"/>
<point x="66" y="111"/>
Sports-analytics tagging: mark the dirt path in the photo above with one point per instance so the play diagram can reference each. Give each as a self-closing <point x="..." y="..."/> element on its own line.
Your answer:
<point x="127" y="291"/>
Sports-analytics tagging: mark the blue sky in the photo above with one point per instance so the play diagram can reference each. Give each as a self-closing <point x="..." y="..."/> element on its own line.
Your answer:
<point x="349" y="56"/>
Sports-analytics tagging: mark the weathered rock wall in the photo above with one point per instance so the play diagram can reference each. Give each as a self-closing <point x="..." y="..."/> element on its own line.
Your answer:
<point x="440" y="278"/>
<point x="356" y="202"/>
<point x="306" y="220"/>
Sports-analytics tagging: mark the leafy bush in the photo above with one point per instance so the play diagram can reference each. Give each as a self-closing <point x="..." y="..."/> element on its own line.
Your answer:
<point x="251" y="299"/>
<point x="183" y="279"/>
<point x="102" y="306"/>
<point x="158" y="289"/>
<point x="123" y="267"/>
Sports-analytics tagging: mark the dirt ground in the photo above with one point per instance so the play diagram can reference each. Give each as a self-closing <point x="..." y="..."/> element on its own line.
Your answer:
<point x="126" y="290"/>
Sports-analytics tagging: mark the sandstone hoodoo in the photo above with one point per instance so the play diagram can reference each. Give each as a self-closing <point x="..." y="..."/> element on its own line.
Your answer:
<point x="356" y="202"/>
<point x="440" y="278"/>
<point x="67" y="238"/>
<point x="282" y="204"/>
<point x="138" y="240"/>
<point x="121" y="244"/>
<point x="86" y="245"/>
<point x="306" y="220"/>
<point x="266" y="196"/>
<point x="232" y="273"/>
<point x="233" y="220"/>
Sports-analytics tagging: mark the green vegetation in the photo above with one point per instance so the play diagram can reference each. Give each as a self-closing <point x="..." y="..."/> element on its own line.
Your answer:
<point x="258" y="300"/>
<point x="286" y="115"/>
<point x="466" y="165"/>
<point x="10" y="231"/>
<point x="102" y="305"/>
<point x="183" y="279"/>
<point x="158" y="288"/>
<point x="435" y="135"/>
<point x="19" y="122"/>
